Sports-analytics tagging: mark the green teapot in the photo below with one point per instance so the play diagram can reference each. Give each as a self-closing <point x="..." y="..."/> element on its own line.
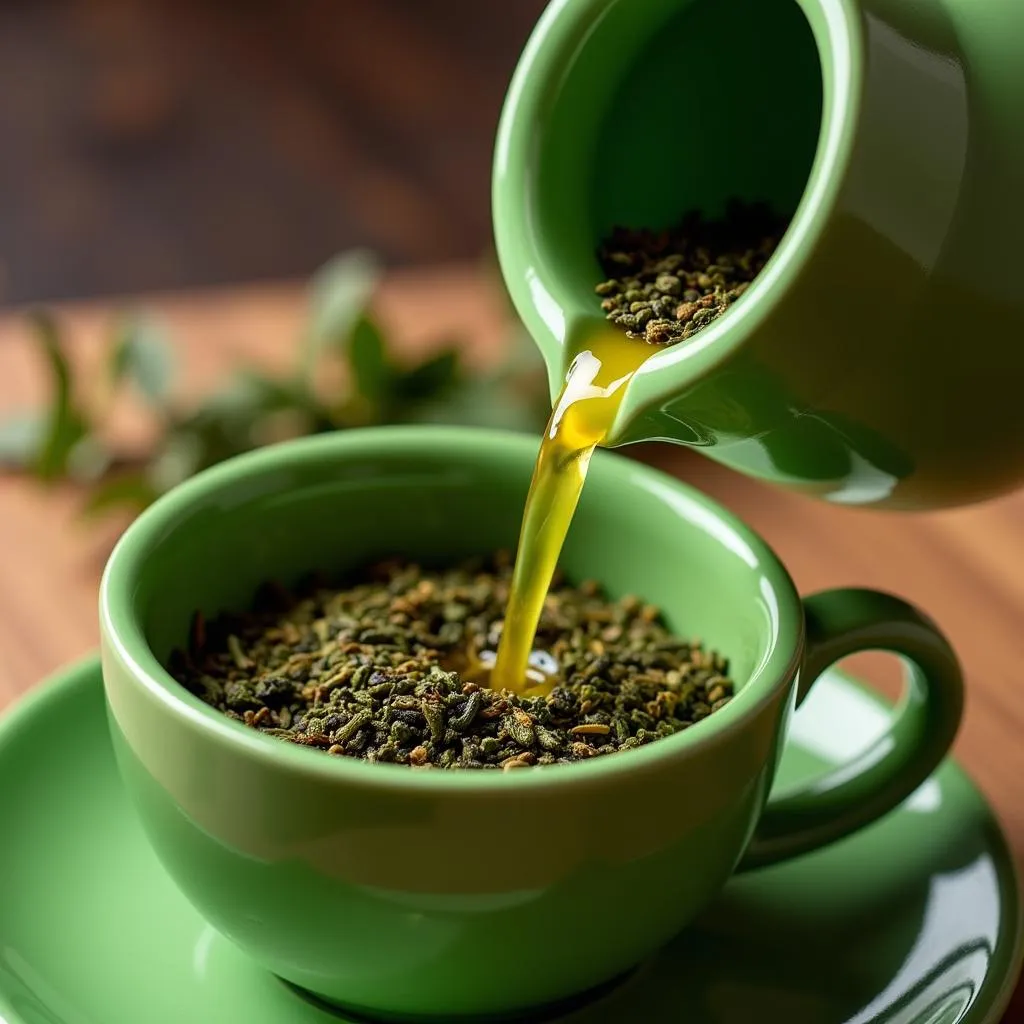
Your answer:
<point x="879" y="358"/>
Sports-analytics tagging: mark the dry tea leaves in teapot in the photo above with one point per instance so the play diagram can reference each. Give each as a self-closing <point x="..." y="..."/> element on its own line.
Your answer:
<point x="663" y="287"/>
<point x="389" y="669"/>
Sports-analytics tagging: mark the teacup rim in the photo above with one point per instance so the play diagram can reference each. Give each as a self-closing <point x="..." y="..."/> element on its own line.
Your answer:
<point x="123" y="636"/>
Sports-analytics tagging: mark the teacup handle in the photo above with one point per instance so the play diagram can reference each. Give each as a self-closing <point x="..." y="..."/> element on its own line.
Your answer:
<point x="924" y="723"/>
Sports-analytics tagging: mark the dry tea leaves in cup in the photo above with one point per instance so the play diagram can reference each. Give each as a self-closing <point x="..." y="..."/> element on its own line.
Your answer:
<point x="390" y="666"/>
<point x="664" y="286"/>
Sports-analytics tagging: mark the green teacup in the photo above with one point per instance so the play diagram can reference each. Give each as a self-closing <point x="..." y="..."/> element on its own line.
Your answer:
<point x="444" y="893"/>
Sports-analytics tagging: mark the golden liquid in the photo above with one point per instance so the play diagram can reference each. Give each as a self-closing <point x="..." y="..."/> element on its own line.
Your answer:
<point x="580" y="421"/>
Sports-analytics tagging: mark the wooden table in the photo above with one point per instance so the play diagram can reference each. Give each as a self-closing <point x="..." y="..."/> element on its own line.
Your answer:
<point x="189" y="141"/>
<point x="963" y="567"/>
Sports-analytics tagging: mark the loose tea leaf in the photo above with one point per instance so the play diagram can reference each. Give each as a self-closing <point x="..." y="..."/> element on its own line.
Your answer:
<point x="389" y="668"/>
<point x="665" y="286"/>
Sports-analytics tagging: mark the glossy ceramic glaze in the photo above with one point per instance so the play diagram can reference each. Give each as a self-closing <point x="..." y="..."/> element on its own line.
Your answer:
<point x="877" y="360"/>
<point x="466" y="892"/>
<point x="924" y="904"/>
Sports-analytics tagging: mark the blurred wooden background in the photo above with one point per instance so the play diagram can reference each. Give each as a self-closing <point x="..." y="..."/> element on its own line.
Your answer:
<point x="160" y="144"/>
<point x="155" y="146"/>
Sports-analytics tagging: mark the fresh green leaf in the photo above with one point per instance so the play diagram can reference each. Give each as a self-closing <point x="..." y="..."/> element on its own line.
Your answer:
<point x="257" y="408"/>
<point x="371" y="373"/>
<point x="433" y="378"/>
<point x="181" y="457"/>
<point x="120" y="355"/>
<point x="21" y="437"/>
<point x="480" y="402"/>
<point x="142" y="353"/>
<point x="131" y="491"/>
<point x="283" y="425"/>
<point x="235" y="420"/>
<point x="65" y="425"/>
<point x="251" y="392"/>
<point x="251" y="411"/>
<point x="211" y="435"/>
<point x="88" y="460"/>
<point x="341" y="291"/>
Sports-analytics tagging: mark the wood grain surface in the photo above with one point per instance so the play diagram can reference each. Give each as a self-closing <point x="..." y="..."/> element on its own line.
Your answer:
<point x="177" y="143"/>
<point x="965" y="567"/>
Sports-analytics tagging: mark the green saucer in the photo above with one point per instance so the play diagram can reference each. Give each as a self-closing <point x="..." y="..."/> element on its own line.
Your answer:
<point x="916" y="920"/>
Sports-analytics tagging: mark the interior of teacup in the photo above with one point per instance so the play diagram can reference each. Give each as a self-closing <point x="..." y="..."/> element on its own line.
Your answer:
<point x="331" y="504"/>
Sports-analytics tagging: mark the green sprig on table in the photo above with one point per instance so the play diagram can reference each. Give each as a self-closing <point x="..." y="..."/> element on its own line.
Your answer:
<point x="345" y="374"/>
